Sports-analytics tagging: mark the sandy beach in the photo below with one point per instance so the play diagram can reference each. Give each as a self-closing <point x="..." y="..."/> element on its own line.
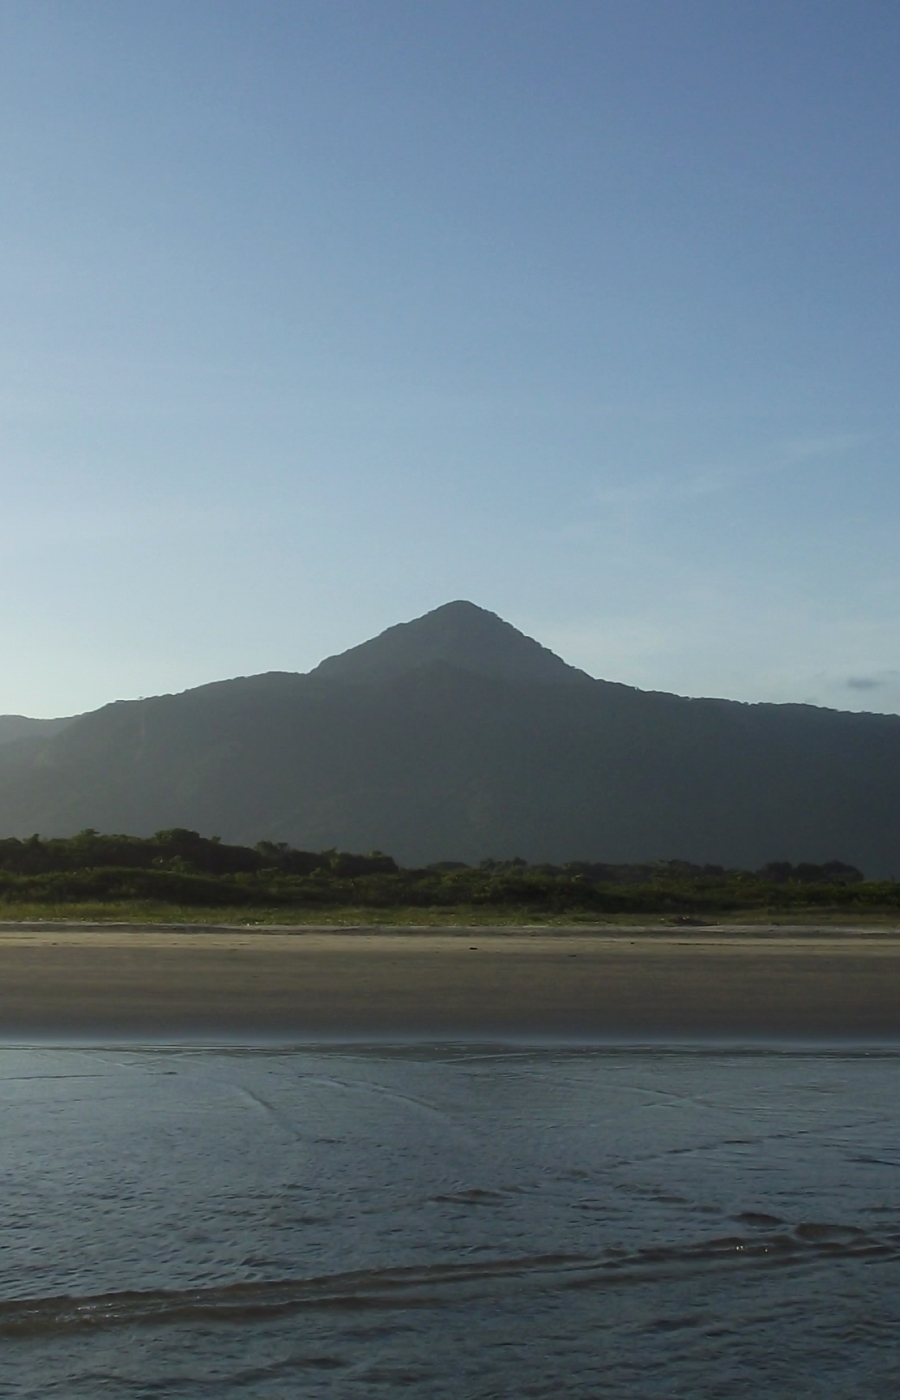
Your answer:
<point x="165" y="982"/>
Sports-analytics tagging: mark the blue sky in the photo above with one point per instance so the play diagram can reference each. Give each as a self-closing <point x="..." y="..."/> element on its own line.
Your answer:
<point x="315" y="314"/>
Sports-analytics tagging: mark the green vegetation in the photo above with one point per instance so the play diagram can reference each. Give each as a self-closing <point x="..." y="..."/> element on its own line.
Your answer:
<point x="181" y="875"/>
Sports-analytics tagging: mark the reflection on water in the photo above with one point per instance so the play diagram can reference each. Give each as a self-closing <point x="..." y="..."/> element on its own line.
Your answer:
<point x="451" y="1222"/>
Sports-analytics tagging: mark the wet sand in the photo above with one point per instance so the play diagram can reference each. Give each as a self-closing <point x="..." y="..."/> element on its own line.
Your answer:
<point x="152" y="982"/>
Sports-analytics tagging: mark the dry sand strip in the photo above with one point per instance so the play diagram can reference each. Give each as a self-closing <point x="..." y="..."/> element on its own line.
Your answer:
<point x="151" y="982"/>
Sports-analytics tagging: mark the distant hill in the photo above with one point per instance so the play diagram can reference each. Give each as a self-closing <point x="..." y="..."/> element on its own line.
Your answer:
<point x="14" y="727"/>
<point x="455" y="737"/>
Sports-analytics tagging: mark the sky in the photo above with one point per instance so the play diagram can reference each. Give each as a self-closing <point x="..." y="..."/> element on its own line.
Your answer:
<point x="316" y="314"/>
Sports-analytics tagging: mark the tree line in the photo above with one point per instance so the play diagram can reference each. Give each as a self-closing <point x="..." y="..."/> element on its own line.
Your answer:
<point x="182" y="867"/>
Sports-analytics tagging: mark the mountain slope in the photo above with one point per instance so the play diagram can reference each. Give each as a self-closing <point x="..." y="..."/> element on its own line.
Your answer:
<point x="416" y="754"/>
<point x="459" y="634"/>
<point x="14" y="727"/>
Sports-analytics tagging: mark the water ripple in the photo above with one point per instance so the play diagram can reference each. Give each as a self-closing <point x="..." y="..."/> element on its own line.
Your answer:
<point x="432" y="1284"/>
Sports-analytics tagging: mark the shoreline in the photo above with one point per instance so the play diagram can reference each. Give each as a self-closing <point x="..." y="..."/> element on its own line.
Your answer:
<point x="836" y="927"/>
<point x="809" y="983"/>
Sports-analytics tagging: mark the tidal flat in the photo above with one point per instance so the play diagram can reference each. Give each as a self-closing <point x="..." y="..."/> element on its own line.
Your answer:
<point x="452" y="1220"/>
<point x="301" y="984"/>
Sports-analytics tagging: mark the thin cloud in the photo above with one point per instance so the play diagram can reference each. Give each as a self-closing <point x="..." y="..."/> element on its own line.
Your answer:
<point x="871" y="682"/>
<point x="722" y="476"/>
<point x="830" y="445"/>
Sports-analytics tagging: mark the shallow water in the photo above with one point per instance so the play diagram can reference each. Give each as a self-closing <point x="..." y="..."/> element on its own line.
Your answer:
<point x="454" y="1221"/>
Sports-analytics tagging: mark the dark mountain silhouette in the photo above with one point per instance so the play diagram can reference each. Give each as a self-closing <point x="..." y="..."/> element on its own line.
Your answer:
<point x="21" y="727"/>
<point x="454" y="737"/>
<point x="459" y="634"/>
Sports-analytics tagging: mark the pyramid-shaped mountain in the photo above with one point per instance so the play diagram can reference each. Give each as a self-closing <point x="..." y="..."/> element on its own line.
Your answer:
<point x="458" y="634"/>
<point x="455" y="737"/>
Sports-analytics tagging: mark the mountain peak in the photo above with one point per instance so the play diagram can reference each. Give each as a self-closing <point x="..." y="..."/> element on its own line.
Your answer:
<point x="460" y="634"/>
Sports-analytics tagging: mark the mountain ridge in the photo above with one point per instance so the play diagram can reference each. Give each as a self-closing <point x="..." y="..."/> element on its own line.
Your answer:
<point x="458" y="633"/>
<point x="431" y="753"/>
<point x="15" y="727"/>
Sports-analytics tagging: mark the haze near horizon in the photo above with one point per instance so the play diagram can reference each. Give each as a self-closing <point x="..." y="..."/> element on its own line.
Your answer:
<point x="317" y="316"/>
